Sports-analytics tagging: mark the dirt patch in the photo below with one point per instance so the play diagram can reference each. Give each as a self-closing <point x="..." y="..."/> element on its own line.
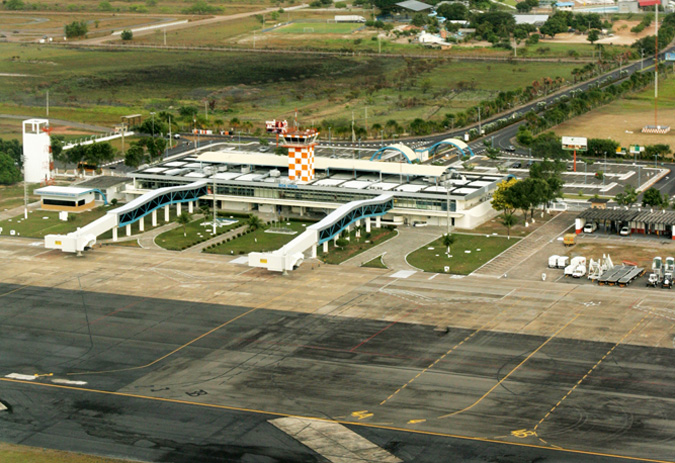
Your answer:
<point x="622" y="35"/>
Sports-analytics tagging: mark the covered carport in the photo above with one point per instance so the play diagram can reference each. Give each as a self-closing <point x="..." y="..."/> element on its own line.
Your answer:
<point x="660" y="223"/>
<point x="608" y="220"/>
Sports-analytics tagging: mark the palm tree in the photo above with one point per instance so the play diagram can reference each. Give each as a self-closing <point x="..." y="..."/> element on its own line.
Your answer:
<point x="184" y="219"/>
<point x="508" y="220"/>
<point x="448" y="240"/>
<point x="254" y="222"/>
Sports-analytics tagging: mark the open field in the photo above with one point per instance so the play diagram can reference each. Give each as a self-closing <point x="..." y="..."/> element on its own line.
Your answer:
<point x="101" y="86"/>
<point x="623" y="119"/>
<point x="12" y="196"/>
<point x="311" y="28"/>
<point x="467" y="253"/>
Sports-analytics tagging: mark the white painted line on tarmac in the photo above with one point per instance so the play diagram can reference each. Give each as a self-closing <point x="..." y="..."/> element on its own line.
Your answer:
<point x="433" y="276"/>
<point x="20" y="376"/>
<point x="2" y="407"/>
<point x="68" y="382"/>
<point x="403" y="274"/>
<point x="335" y="442"/>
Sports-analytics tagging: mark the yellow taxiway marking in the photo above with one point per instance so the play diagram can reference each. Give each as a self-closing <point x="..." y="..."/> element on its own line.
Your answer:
<point x="362" y="414"/>
<point x="344" y="422"/>
<point x="591" y="370"/>
<point x="14" y="290"/>
<point x="452" y="349"/>
<point x="178" y="349"/>
<point x="37" y="375"/>
<point x="416" y="421"/>
<point x="512" y="371"/>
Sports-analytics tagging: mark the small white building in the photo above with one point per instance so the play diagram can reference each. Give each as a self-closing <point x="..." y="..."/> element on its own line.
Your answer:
<point x="66" y="198"/>
<point x="349" y="18"/>
<point x="37" y="151"/>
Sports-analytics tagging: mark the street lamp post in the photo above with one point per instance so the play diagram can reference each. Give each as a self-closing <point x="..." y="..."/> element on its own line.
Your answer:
<point x="605" y="174"/>
<point x="153" y="124"/>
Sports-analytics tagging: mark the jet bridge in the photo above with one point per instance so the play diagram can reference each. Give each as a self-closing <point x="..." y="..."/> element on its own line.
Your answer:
<point x="291" y="255"/>
<point x="85" y="237"/>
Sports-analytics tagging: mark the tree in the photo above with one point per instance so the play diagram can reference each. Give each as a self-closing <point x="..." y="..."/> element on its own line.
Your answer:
<point x="135" y="155"/>
<point x="254" y="222"/>
<point x="184" y="219"/>
<point x="127" y="34"/>
<point x="15" y="5"/>
<point x="419" y="20"/>
<point x="76" y="154"/>
<point x="341" y="242"/>
<point x="454" y="10"/>
<point x="628" y="197"/>
<point x="99" y="153"/>
<point x="9" y="171"/>
<point x="652" y="197"/>
<point x="76" y="29"/>
<point x="593" y="35"/>
<point x="56" y="143"/>
<point x="448" y="240"/>
<point x="500" y="197"/>
<point x="508" y="220"/>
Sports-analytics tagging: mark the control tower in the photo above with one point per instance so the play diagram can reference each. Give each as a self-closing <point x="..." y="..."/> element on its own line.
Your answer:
<point x="300" y="144"/>
<point x="37" y="150"/>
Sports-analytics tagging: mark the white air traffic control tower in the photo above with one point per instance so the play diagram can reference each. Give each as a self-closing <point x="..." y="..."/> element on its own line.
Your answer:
<point x="37" y="150"/>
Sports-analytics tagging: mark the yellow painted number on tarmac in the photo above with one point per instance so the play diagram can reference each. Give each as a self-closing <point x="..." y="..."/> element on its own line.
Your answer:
<point x="522" y="433"/>
<point x="416" y="421"/>
<point x="362" y="414"/>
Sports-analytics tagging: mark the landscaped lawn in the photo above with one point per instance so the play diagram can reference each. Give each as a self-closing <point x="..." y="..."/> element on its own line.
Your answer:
<point x="356" y="246"/>
<point x="260" y="240"/>
<point x="41" y="223"/>
<point x="195" y="233"/>
<point x="12" y="196"/>
<point x="10" y="453"/>
<point x="375" y="263"/>
<point x="432" y="257"/>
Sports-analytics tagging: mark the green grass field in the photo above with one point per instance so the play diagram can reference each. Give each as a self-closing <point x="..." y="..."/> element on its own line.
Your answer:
<point x="259" y="240"/>
<point x="356" y="246"/>
<point x="481" y="248"/>
<point x="12" y="196"/>
<point x="310" y="28"/>
<point x="375" y="263"/>
<point x="99" y="86"/>
<point x="41" y="223"/>
<point x="195" y="233"/>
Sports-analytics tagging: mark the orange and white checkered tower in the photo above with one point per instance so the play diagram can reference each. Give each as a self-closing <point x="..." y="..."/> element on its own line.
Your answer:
<point x="300" y="144"/>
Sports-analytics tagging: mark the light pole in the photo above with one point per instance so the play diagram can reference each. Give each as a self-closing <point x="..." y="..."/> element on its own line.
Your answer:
<point x="642" y="59"/>
<point x="604" y="175"/>
<point x="153" y="124"/>
<point x="25" y="188"/>
<point x="382" y="137"/>
<point x="656" y="155"/>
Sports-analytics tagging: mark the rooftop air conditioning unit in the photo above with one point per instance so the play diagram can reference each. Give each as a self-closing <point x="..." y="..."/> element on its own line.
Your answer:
<point x="222" y="168"/>
<point x="275" y="173"/>
<point x="246" y="169"/>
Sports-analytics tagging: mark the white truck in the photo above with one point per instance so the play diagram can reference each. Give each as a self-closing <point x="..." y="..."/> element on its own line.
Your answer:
<point x="553" y="261"/>
<point x="563" y="261"/>
<point x="577" y="267"/>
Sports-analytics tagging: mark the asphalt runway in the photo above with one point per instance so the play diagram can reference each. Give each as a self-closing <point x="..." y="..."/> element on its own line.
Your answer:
<point x="173" y="381"/>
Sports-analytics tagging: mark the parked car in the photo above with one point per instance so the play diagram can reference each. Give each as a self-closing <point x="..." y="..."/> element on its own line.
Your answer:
<point x="516" y="165"/>
<point x="625" y="231"/>
<point x="510" y="149"/>
<point x="590" y="227"/>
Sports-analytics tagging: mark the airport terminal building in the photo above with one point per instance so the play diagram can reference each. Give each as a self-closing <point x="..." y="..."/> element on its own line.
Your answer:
<point x="254" y="182"/>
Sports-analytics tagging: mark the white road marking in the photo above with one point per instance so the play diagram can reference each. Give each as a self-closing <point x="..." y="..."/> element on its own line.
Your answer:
<point x="20" y="376"/>
<point x="433" y="276"/>
<point x="333" y="441"/>
<point x="403" y="274"/>
<point x="68" y="382"/>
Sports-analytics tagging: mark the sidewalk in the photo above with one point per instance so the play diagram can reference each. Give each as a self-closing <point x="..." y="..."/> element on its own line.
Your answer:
<point x="198" y="248"/>
<point x="527" y="246"/>
<point x="396" y="249"/>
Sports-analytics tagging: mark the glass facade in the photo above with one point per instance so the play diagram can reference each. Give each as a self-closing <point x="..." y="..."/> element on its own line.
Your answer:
<point x="296" y="194"/>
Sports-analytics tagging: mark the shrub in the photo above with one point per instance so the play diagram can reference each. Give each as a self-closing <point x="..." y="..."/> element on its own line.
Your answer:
<point x="127" y="35"/>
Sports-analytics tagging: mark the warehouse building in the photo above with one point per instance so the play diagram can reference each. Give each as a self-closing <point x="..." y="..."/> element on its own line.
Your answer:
<point x="640" y="221"/>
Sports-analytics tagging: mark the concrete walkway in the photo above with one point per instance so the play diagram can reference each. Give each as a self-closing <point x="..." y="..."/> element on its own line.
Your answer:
<point x="198" y="248"/>
<point x="528" y="246"/>
<point x="396" y="249"/>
